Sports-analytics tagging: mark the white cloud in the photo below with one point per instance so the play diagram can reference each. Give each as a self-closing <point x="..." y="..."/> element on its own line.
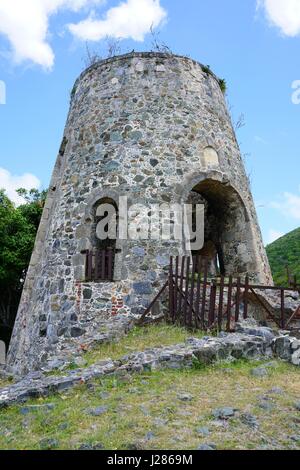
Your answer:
<point x="273" y="236"/>
<point x="289" y="205"/>
<point x="130" y="19"/>
<point x="11" y="182"/>
<point x="285" y="14"/>
<point x="25" y="23"/>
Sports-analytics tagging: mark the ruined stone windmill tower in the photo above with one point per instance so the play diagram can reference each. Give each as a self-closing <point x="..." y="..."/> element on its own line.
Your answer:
<point x="153" y="127"/>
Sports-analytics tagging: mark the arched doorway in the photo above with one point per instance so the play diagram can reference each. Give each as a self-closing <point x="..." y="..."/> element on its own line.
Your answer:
<point x="228" y="236"/>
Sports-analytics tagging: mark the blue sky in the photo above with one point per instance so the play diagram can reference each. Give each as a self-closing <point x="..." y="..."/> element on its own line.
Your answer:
<point x="253" y="45"/>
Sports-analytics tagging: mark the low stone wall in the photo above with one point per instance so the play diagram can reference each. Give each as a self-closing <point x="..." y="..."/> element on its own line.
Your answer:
<point x="206" y="351"/>
<point x="249" y="342"/>
<point x="63" y="352"/>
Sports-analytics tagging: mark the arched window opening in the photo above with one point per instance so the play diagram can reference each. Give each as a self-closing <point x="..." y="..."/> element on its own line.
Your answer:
<point x="100" y="264"/>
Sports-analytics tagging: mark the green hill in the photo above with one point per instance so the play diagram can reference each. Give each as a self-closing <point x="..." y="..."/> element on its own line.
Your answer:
<point x="285" y="251"/>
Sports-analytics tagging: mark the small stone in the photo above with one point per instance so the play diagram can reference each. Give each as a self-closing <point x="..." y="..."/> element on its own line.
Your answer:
<point x="224" y="413"/>
<point x="207" y="447"/>
<point x="48" y="444"/>
<point x="125" y="378"/>
<point x="203" y="431"/>
<point x="154" y="162"/>
<point x="227" y="370"/>
<point x="145" y="410"/>
<point x="266" y="405"/>
<point x="149" y="436"/>
<point x="76" y="332"/>
<point x="87" y="294"/>
<point x="134" y="446"/>
<point x="218" y="423"/>
<point x="32" y="408"/>
<point x="259" y="372"/>
<point x="249" y="420"/>
<point x="100" y="410"/>
<point x="63" y="426"/>
<point x="185" y="397"/>
<point x="297" y="405"/>
<point x="276" y="391"/>
<point x="296" y="358"/>
<point x="160" y="422"/>
<point x="87" y="446"/>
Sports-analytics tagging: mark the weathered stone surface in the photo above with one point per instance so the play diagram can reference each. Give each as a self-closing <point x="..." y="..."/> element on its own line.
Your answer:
<point x="152" y="131"/>
<point x="207" y="447"/>
<point x="296" y="358"/>
<point x="203" y="431"/>
<point x="282" y="347"/>
<point x="259" y="372"/>
<point x="36" y="384"/>
<point x="224" y="413"/>
<point x="32" y="408"/>
<point x="249" y="420"/>
<point x="100" y="410"/>
<point x="88" y="446"/>
<point x="185" y="397"/>
<point x="2" y="353"/>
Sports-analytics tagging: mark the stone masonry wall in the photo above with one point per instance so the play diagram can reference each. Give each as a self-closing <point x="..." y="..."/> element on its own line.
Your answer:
<point x="151" y="127"/>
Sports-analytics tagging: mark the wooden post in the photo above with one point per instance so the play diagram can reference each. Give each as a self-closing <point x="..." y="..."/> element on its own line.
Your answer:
<point x="181" y="286"/>
<point x="246" y="297"/>
<point x="212" y="304"/>
<point x="229" y="299"/>
<point x="197" y="310"/>
<point x="221" y="303"/>
<point x="238" y="295"/>
<point x="187" y="280"/>
<point x="204" y="294"/>
<point x="171" y="291"/>
<point x="192" y="292"/>
<point x="176" y="289"/>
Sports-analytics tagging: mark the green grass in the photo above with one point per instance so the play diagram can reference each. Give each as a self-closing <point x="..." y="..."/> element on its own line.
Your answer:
<point x="139" y="339"/>
<point x="135" y="405"/>
<point x="285" y="251"/>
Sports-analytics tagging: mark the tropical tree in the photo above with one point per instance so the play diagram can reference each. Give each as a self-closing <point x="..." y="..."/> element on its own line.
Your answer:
<point x="18" y="227"/>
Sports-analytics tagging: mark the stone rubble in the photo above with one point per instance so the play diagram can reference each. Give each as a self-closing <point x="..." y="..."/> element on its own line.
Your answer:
<point x="250" y="342"/>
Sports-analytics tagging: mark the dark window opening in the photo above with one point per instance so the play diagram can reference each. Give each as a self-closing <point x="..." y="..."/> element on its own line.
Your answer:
<point x="100" y="261"/>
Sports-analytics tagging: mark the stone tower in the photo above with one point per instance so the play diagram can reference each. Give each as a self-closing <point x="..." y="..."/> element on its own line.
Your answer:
<point x="155" y="128"/>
